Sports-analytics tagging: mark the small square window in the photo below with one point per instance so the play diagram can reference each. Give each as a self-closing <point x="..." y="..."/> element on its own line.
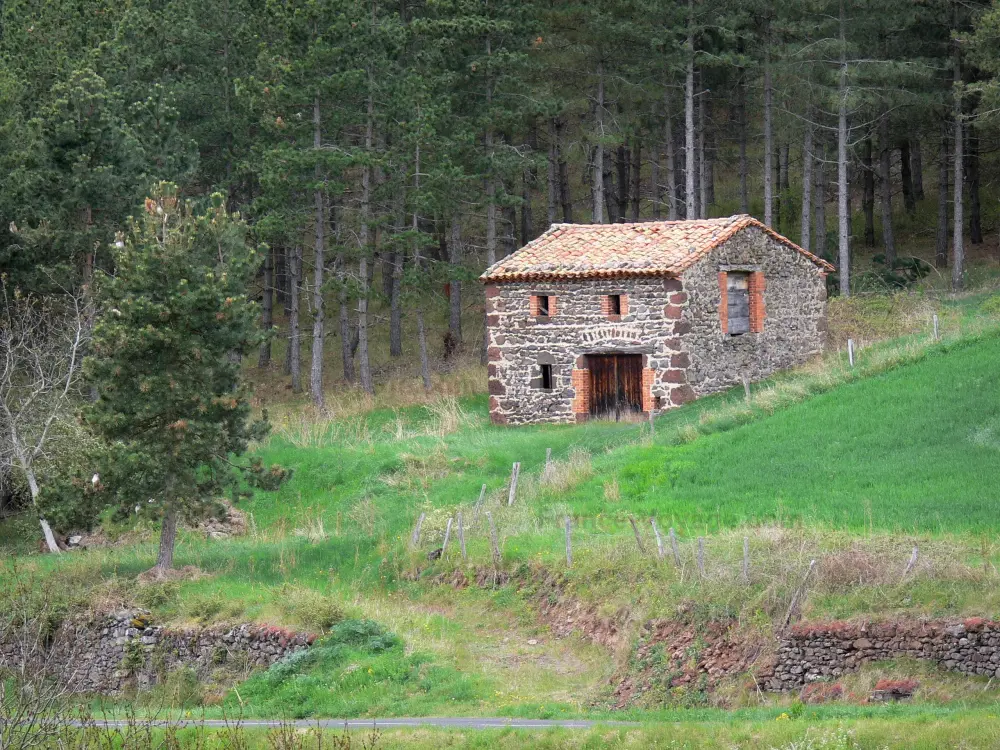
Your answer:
<point x="543" y="306"/>
<point x="614" y="304"/>
<point x="546" y="380"/>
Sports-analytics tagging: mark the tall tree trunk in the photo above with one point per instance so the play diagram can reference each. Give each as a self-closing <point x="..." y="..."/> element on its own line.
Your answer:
<point x="425" y="368"/>
<point x="917" y="167"/>
<point x="972" y="174"/>
<point x="768" y="140"/>
<point x="281" y="279"/>
<point x="636" y="178"/>
<point x="805" y="234"/>
<point x="689" y="144"/>
<point x="552" y="183"/>
<point x="294" y="325"/>
<point x="316" y="372"/>
<point x="958" y="183"/>
<point x="396" y="307"/>
<point x="843" y="213"/>
<point x="819" y="226"/>
<point x="868" y="191"/>
<point x="941" y="240"/>
<point x="702" y="161"/>
<point x="346" y="329"/>
<point x="743" y="126"/>
<point x="885" y="185"/>
<point x="565" y="197"/>
<point x="655" y="181"/>
<point x="364" y="240"/>
<point x="491" y="217"/>
<point x="528" y="179"/>
<point x="623" y="167"/>
<point x="709" y="156"/>
<point x="168" y="540"/>
<point x="455" y="286"/>
<point x="608" y="189"/>
<point x="29" y="473"/>
<point x="906" y="177"/>
<point x="598" y="212"/>
<point x="668" y="127"/>
<point x="267" y="310"/>
<point x="780" y="177"/>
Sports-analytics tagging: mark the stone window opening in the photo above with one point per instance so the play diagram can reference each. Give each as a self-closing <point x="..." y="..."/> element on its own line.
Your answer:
<point x="546" y="382"/>
<point x="614" y="306"/>
<point x="543" y="305"/>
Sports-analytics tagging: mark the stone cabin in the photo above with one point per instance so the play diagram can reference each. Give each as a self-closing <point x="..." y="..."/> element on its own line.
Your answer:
<point x="616" y="320"/>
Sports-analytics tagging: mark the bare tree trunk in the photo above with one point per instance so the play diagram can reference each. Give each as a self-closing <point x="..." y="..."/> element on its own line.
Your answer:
<point x="608" y="177"/>
<point x="564" y="189"/>
<point x="885" y="180"/>
<point x="671" y="161"/>
<point x="941" y="243"/>
<point x="972" y="175"/>
<point x="346" y="330"/>
<point x="868" y="191"/>
<point x="744" y="166"/>
<point x="267" y="309"/>
<point x="624" y="166"/>
<point x="29" y="473"/>
<point x="168" y="540"/>
<point x="553" y="172"/>
<point x="364" y="241"/>
<point x="316" y="373"/>
<point x="689" y="146"/>
<point x="917" y="167"/>
<point x="396" y="307"/>
<point x="636" y="178"/>
<point x="294" y="332"/>
<point x="768" y="143"/>
<point x="425" y="368"/>
<point x="598" y="211"/>
<point x="819" y="228"/>
<point x="654" y="178"/>
<point x="958" y="185"/>
<point x="702" y="161"/>
<point x="807" y="180"/>
<point x="455" y="287"/>
<point x="843" y="214"/>
<point x="780" y="178"/>
<point x="906" y="177"/>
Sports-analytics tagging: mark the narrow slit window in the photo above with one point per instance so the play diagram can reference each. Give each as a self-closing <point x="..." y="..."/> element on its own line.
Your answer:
<point x="614" y="304"/>
<point x="546" y="383"/>
<point x="543" y="306"/>
<point x="738" y="303"/>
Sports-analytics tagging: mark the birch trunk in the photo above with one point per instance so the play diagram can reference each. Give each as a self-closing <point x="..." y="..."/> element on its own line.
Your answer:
<point x="807" y="180"/>
<point x="29" y="473"/>
<point x="689" y="195"/>
<point x="941" y="245"/>
<point x="843" y="217"/>
<point x="885" y="180"/>
<point x="455" y="286"/>
<point x="597" y="216"/>
<point x="267" y="309"/>
<point x="316" y="372"/>
<point x="768" y="141"/>
<point x="702" y="161"/>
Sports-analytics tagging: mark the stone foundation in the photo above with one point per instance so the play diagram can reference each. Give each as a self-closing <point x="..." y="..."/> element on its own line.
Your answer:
<point x="125" y="650"/>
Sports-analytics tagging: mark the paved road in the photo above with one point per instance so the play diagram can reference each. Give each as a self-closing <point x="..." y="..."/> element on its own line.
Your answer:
<point x="431" y="721"/>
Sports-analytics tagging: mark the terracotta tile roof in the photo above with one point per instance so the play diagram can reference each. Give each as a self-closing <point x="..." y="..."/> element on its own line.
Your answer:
<point x="604" y="251"/>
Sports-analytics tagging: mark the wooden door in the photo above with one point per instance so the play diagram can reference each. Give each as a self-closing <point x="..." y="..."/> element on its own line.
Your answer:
<point x="738" y="295"/>
<point x="615" y="385"/>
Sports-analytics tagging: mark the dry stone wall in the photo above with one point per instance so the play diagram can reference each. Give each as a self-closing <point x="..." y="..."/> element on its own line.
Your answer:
<point x="126" y="650"/>
<point x="810" y="653"/>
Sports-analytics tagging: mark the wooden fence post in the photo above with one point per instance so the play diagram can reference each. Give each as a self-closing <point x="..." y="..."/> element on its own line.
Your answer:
<point x="479" y="504"/>
<point x="798" y="592"/>
<point x="701" y="556"/>
<point x="850" y="352"/>
<point x="548" y="465"/>
<point x="638" y="537"/>
<point x="652" y="421"/>
<point x="569" y="543"/>
<point x="746" y="559"/>
<point x="673" y="547"/>
<point x="447" y="536"/>
<point x="936" y="336"/>
<point x="746" y="387"/>
<point x="659" y="539"/>
<point x="909" y="565"/>
<point x="461" y="536"/>
<point x="494" y="542"/>
<point x="514" y="473"/>
<point x="415" y="538"/>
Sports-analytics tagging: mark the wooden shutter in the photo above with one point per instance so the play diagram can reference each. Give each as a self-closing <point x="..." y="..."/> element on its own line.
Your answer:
<point x="738" y="303"/>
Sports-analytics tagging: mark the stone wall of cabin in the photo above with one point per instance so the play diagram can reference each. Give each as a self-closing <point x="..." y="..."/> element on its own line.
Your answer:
<point x="794" y="325"/>
<point x="674" y="323"/>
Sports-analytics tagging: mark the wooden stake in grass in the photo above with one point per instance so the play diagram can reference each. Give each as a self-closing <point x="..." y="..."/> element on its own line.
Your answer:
<point x="746" y="559"/>
<point x="936" y="336"/>
<point x="447" y="536"/>
<point x="909" y="565"/>
<point x="514" y="474"/>
<point x="569" y="543"/>
<point x="415" y="538"/>
<point x="746" y="387"/>
<point x="548" y="465"/>
<point x="461" y="536"/>
<point x="659" y="539"/>
<point x="479" y="504"/>
<point x="652" y="422"/>
<point x="638" y="537"/>
<point x="701" y="556"/>
<point x="793" y="605"/>
<point x="674" y="548"/>
<point x="850" y="352"/>
<point x="494" y="542"/>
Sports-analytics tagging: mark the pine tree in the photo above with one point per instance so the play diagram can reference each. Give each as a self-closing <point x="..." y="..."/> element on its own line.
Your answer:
<point x="172" y="405"/>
